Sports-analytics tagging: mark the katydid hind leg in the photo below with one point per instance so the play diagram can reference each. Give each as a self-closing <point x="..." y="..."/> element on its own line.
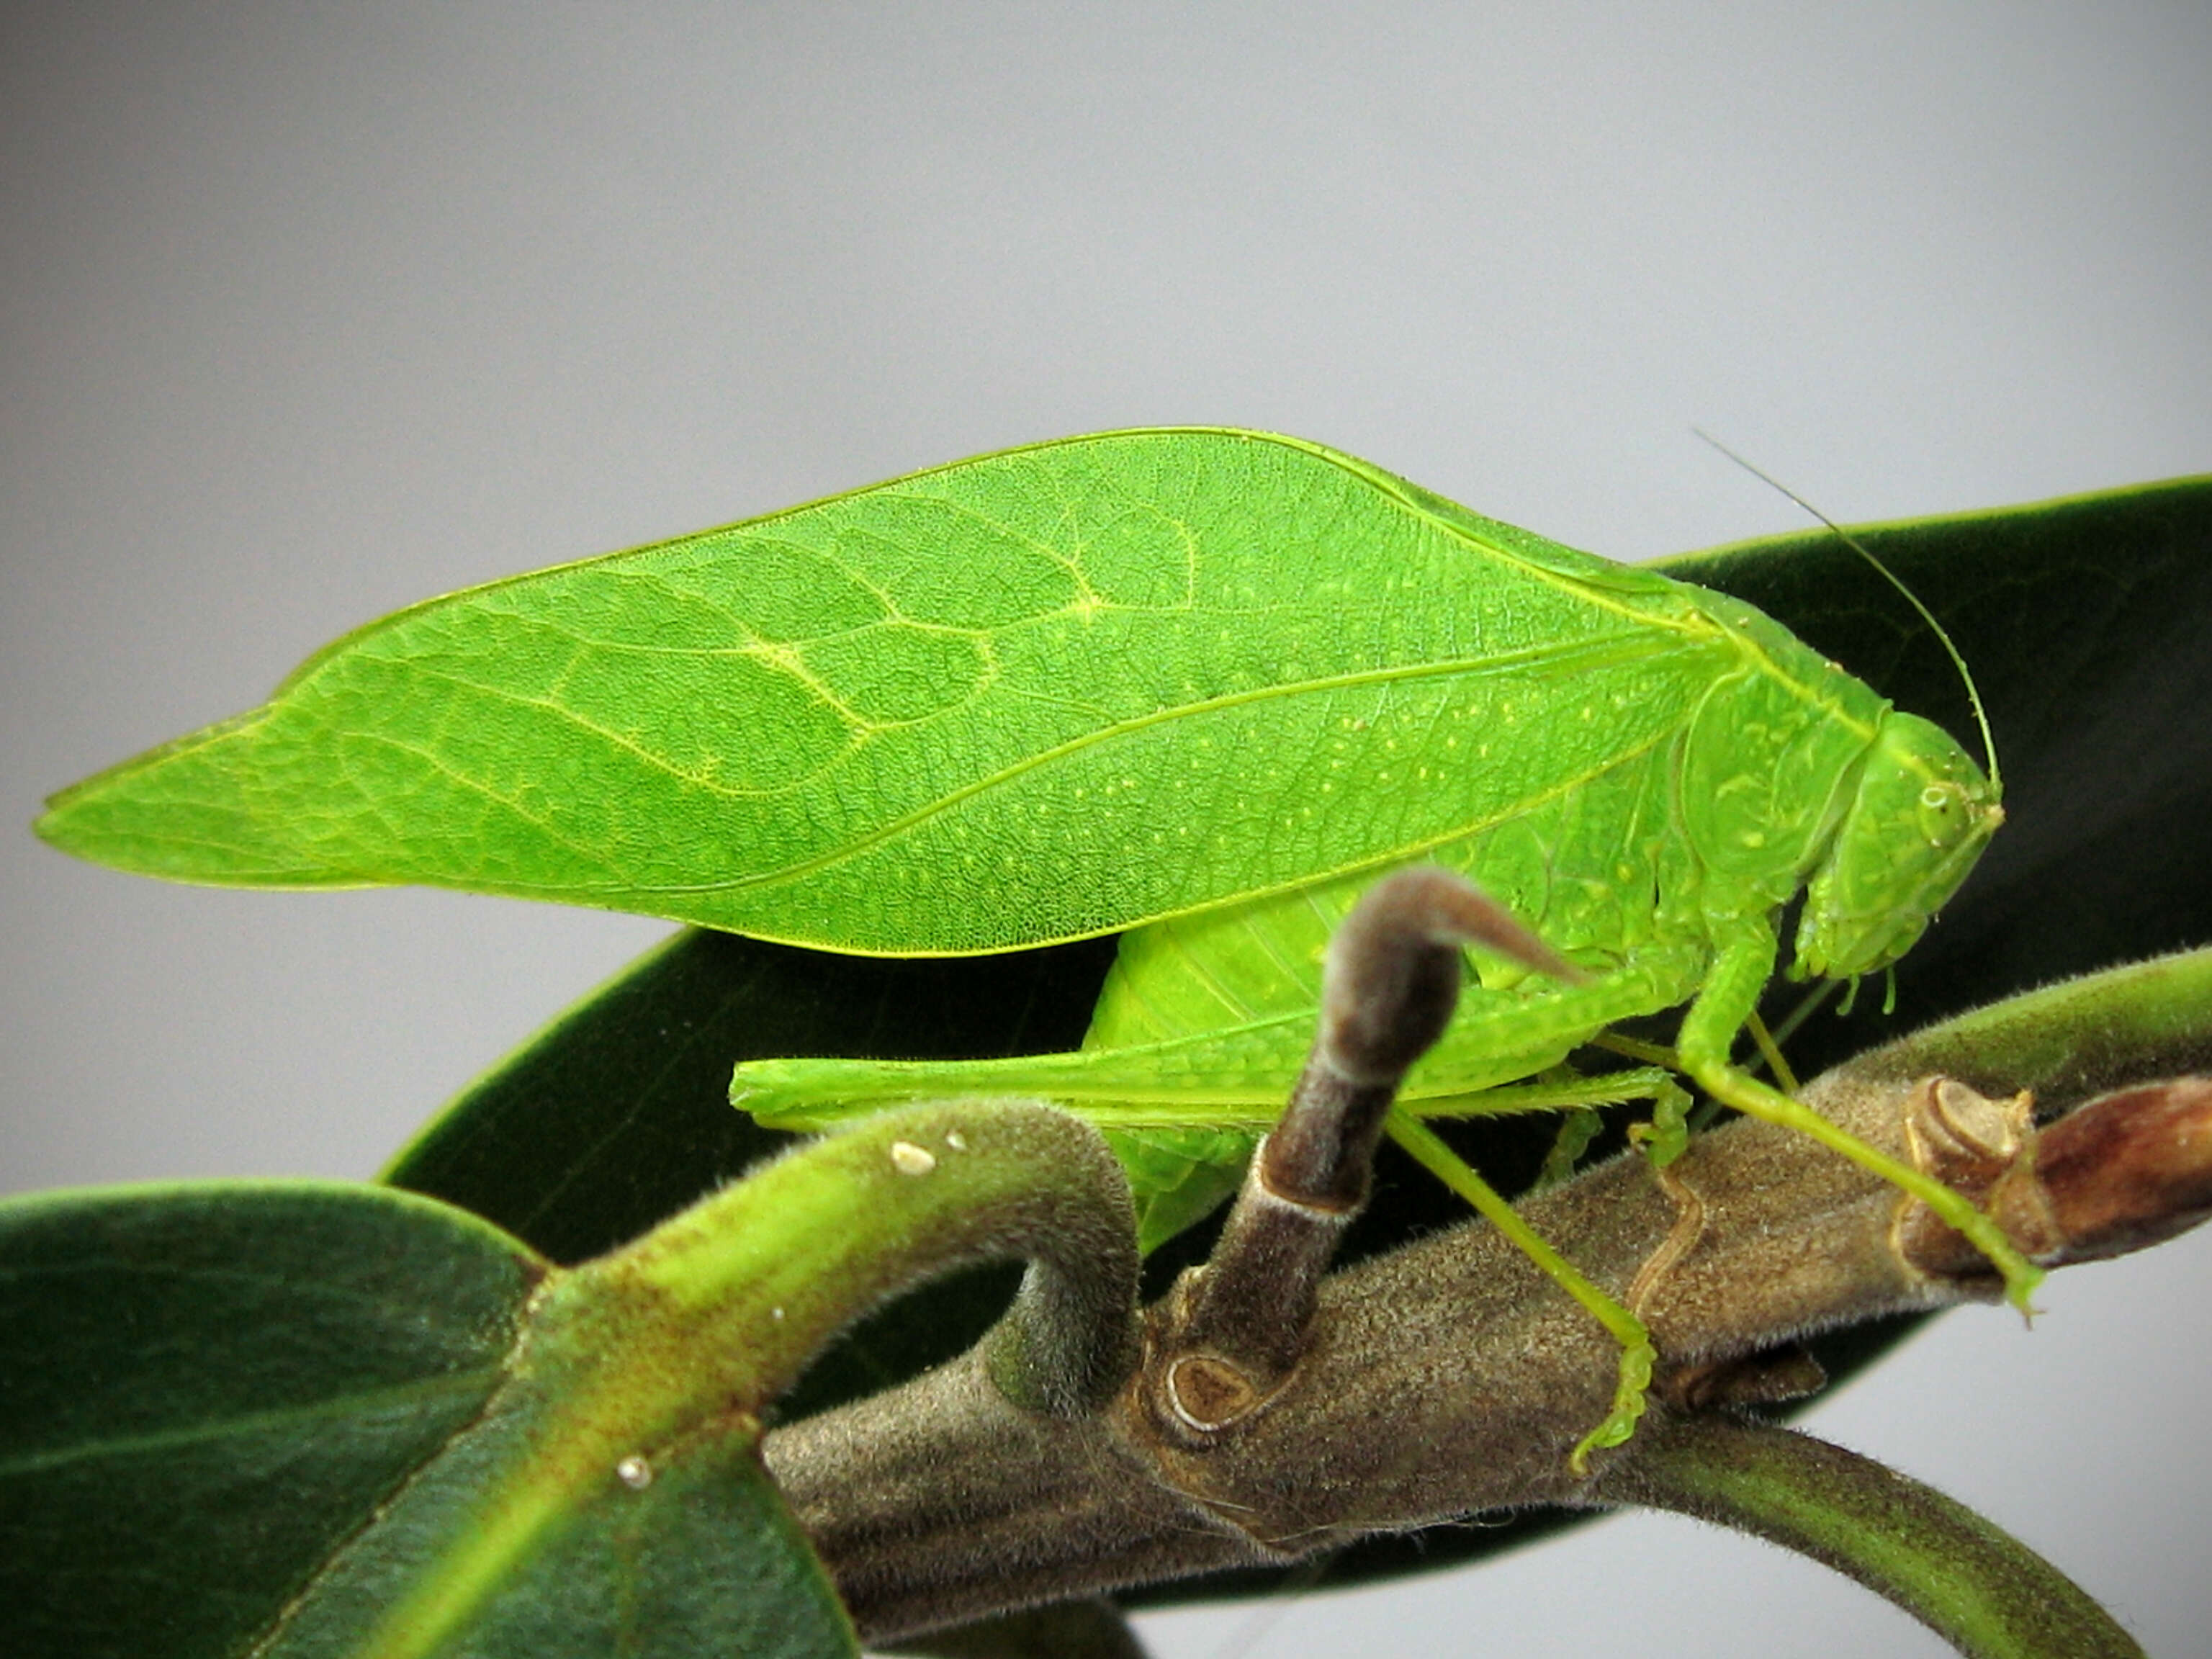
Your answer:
<point x="1195" y="1062"/>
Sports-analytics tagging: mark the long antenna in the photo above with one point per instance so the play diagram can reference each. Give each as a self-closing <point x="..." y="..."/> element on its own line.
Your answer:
<point x="1973" y="692"/>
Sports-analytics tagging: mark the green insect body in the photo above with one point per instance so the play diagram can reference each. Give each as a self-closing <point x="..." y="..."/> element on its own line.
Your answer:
<point x="1206" y="1017"/>
<point x="1193" y="685"/>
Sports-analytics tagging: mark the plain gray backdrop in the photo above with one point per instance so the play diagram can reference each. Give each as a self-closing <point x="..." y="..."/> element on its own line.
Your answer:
<point x="310" y="311"/>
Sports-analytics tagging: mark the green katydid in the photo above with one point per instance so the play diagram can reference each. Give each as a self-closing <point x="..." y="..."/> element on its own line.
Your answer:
<point x="1197" y="684"/>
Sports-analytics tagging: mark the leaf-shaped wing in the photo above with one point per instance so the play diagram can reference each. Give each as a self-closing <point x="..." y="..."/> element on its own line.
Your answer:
<point x="1043" y="695"/>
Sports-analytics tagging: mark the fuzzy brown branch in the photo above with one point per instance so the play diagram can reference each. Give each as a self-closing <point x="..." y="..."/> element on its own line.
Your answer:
<point x="1447" y="1378"/>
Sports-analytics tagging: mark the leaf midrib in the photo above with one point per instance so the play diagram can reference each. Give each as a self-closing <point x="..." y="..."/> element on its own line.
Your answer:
<point x="478" y="1379"/>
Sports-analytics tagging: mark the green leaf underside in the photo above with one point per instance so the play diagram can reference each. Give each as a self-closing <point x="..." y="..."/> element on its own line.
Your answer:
<point x="204" y="1389"/>
<point x="1038" y="696"/>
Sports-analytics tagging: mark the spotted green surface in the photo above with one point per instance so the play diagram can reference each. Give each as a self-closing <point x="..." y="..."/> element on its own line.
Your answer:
<point x="1044" y="694"/>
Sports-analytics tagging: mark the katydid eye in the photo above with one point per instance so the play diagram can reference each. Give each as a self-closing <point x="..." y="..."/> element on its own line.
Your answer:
<point x="1939" y="812"/>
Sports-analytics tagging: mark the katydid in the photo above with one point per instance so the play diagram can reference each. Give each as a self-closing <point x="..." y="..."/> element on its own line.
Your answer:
<point x="1645" y="771"/>
<point x="1660" y="871"/>
<point x="1194" y="685"/>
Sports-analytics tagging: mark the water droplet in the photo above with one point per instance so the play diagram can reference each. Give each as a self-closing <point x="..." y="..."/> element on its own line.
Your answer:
<point x="910" y="1159"/>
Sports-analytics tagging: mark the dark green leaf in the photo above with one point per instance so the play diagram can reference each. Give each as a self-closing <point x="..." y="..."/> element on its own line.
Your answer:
<point x="608" y="1499"/>
<point x="330" y="1422"/>
<point x="203" y="1389"/>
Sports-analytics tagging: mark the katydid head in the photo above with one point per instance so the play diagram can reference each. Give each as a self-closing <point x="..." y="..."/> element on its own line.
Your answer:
<point x="1918" y="820"/>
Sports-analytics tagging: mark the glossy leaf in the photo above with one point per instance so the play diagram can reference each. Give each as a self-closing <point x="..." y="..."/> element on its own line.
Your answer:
<point x="204" y="1389"/>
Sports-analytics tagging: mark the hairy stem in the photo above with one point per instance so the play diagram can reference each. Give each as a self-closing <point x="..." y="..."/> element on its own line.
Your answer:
<point x="1982" y="1591"/>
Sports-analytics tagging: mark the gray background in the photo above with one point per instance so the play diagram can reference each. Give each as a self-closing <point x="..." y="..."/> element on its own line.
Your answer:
<point x="309" y="313"/>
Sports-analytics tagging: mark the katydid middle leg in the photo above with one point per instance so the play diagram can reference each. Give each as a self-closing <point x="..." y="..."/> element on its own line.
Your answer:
<point x="1235" y="1328"/>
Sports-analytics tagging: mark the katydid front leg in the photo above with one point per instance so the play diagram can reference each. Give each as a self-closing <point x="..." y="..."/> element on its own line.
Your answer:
<point x="1724" y="1006"/>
